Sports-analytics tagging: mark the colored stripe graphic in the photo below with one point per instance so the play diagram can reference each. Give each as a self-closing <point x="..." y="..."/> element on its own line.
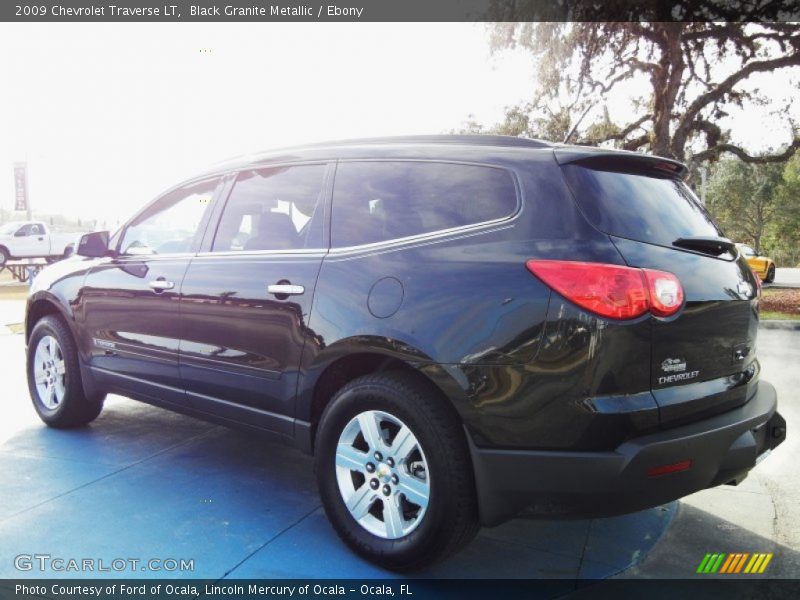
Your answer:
<point x="741" y="562"/>
<point x="720" y="562"/>
<point x="711" y="563"/>
<point x="702" y="567"/>
<point x="765" y="563"/>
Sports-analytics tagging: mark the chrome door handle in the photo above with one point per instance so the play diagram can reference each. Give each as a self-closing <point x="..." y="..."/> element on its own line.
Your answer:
<point x="160" y="285"/>
<point x="285" y="289"/>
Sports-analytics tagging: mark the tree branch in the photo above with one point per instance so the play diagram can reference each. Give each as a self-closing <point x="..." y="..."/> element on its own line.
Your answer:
<point x="717" y="93"/>
<point x="715" y="151"/>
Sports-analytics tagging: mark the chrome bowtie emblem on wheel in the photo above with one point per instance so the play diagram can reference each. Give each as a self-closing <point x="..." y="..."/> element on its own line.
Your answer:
<point x="382" y="474"/>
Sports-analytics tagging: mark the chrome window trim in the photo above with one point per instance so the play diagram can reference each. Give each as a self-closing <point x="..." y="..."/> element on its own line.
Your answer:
<point x="244" y="254"/>
<point x="354" y="252"/>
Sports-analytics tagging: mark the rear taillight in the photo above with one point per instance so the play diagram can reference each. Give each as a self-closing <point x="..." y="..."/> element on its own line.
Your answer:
<point x="612" y="291"/>
<point x="666" y="292"/>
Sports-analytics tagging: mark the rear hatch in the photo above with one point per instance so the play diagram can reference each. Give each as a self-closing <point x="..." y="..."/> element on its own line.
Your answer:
<point x="703" y="359"/>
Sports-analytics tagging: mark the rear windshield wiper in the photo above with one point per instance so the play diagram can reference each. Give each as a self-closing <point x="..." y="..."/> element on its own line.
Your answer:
<point x="706" y="244"/>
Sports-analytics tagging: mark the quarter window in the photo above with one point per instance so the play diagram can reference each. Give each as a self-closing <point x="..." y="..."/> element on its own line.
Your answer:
<point x="172" y="223"/>
<point x="272" y="209"/>
<point x="378" y="201"/>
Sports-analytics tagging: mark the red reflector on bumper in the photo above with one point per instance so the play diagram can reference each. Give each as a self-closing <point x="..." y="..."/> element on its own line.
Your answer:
<point x="666" y="469"/>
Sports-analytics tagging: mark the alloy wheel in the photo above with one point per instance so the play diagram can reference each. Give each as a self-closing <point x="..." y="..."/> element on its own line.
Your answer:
<point x="49" y="372"/>
<point x="383" y="474"/>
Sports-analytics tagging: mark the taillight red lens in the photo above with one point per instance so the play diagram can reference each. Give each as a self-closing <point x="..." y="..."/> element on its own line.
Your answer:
<point x="611" y="291"/>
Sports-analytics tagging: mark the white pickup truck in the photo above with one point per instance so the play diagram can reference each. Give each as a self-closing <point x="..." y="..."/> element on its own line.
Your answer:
<point x="33" y="239"/>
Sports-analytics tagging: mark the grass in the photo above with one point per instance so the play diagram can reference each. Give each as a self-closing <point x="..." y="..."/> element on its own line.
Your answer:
<point x="771" y="315"/>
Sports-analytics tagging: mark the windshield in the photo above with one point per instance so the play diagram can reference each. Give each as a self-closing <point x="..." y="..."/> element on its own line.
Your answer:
<point x="10" y="228"/>
<point x="639" y="206"/>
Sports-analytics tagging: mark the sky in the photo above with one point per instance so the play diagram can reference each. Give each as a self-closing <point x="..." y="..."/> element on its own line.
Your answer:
<point x="109" y="115"/>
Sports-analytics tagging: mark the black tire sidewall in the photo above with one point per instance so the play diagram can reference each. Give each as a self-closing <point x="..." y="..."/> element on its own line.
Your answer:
<point x="771" y="274"/>
<point x="395" y="553"/>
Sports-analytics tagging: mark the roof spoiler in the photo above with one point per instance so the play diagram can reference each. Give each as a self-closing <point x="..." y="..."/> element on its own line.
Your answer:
<point x="619" y="160"/>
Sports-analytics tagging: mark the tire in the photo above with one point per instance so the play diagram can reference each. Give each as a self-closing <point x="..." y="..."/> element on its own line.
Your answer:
<point x="431" y="490"/>
<point x="4" y="256"/>
<point x="52" y="354"/>
<point x="770" y="274"/>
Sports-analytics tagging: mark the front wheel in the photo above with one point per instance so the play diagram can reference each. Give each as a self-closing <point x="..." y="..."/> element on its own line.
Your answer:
<point x="770" y="274"/>
<point x="54" y="377"/>
<point x="4" y="257"/>
<point x="394" y="472"/>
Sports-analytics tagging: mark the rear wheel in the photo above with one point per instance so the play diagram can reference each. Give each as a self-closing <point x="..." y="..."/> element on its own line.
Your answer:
<point x="770" y="274"/>
<point x="54" y="377"/>
<point x="394" y="472"/>
<point x="4" y="257"/>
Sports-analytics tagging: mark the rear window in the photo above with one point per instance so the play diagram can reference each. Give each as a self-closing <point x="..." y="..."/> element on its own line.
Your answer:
<point x="379" y="201"/>
<point x="639" y="206"/>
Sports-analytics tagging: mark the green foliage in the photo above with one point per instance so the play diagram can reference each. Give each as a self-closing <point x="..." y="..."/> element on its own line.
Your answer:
<point x="758" y="204"/>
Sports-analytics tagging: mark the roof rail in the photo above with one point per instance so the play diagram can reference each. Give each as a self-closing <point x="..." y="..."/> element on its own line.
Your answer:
<point x="478" y="139"/>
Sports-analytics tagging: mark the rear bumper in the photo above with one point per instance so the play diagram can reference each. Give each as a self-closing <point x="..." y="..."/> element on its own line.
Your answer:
<point x="550" y="484"/>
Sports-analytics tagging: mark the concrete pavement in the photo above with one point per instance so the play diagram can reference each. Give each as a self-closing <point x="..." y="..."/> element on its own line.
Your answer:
<point x="760" y="515"/>
<point x="785" y="277"/>
<point x="143" y="482"/>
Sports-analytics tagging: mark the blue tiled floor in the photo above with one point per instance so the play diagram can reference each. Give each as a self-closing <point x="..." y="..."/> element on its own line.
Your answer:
<point x="145" y="483"/>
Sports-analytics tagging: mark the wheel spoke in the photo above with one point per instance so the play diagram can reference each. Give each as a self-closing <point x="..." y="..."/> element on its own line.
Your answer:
<point x="369" y="429"/>
<point x="392" y="518"/>
<point x="358" y="504"/>
<point x="403" y="444"/>
<point x="349" y="457"/>
<point x="41" y="377"/>
<point x="415" y="490"/>
<point x="41" y="354"/>
<point x="51" y="396"/>
<point x="60" y="367"/>
<point x="52" y="347"/>
<point x="59" y="390"/>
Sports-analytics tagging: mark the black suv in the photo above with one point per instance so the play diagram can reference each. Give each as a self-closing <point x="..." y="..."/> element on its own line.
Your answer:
<point x="459" y="328"/>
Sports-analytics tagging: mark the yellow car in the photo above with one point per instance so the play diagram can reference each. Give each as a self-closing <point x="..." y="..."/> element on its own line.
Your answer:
<point x="763" y="266"/>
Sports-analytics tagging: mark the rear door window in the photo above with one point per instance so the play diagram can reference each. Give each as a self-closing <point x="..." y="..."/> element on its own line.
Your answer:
<point x="640" y="205"/>
<point x="272" y="209"/>
<point x="379" y="201"/>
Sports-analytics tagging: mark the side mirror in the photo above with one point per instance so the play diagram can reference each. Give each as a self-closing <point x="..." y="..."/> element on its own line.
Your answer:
<point x="93" y="245"/>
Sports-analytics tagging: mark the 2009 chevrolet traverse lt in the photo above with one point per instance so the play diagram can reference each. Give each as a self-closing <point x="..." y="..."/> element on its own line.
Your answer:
<point x="459" y="328"/>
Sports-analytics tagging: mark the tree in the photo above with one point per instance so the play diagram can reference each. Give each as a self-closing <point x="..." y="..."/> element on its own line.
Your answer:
<point x="786" y="234"/>
<point x="694" y="73"/>
<point x="744" y="199"/>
